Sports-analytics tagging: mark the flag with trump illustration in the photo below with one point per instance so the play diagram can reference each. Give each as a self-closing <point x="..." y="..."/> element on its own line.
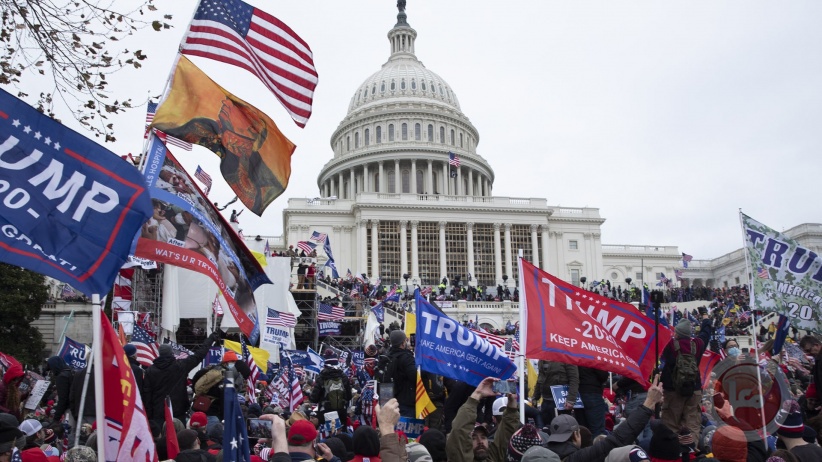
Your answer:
<point x="571" y="325"/>
<point x="255" y="155"/>
<point x="787" y="277"/>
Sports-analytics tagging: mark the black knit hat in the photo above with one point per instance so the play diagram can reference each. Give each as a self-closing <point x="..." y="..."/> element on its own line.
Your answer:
<point x="792" y="427"/>
<point x="523" y="439"/>
<point x="664" y="442"/>
<point x="434" y="441"/>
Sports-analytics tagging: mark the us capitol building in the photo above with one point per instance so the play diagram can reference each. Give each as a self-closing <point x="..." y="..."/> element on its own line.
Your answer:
<point x="392" y="204"/>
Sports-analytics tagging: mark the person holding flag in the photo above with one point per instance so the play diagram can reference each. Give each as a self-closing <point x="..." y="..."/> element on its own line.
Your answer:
<point x="402" y="370"/>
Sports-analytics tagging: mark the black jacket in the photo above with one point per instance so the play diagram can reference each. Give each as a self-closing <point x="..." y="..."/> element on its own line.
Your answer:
<point x="138" y="372"/>
<point x="591" y="380"/>
<point x="63" y="376"/>
<point x="318" y="392"/>
<point x="167" y="377"/>
<point x="76" y="395"/>
<point x="403" y="372"/>
<point x="669" y="354"/>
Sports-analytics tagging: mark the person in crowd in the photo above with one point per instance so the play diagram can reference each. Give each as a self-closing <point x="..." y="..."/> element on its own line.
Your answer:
<point x="565" y="438"/>
<point x="436" y="392"/>
<point x="208" y="385"/>
<point x="366" y="444"/>
<point x="167" y="377"/>
<point x="469" y="442"/>
<point x="681" y="377"/>
<point x="332" y="389"/>
<point x="434" y="442"/>
<point x="553" y="373"/>
<point x="791" y="432"/>
<point x="591" y="384"/>
<point x="136" y="368"/>
<point x="301" y="438"/>
<point x="62" y="375"/>
<point x="10" y="399"/>
<point x="402" y="371"/>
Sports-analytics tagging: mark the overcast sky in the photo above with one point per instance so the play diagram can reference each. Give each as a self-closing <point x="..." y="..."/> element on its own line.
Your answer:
<point x="666" y="117"/>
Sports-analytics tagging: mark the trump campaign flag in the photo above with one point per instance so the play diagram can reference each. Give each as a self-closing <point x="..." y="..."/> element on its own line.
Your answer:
<point x="447" y="348"/>
<point x="69" y="208"/>
<point x="74" y="353"/>
<point x="788" y="277"/>
<point x="568" y="324"/>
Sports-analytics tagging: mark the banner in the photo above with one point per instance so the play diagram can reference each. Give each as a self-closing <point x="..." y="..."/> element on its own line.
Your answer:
<point x="277" y="335"/>
<point x="255" y="155"/>
<point x="358" y="358"/>
<point x="75" y="354"/>
<point x="299" y="357"/>
<point x="568" y="324"/>
<point x="69" y="208"/>
<point x="125" y="431"/>
<point x="187" y="231"/>
<point x="786" y="277"/>
<point x="36" y="394"/>
<point x="447" y="348"/>
<point x="412" y="428"/>
<point x="560" y="394"/>
<point x="213" y="357"/>
<point x="328" y="328"/>
<point x="180" y="352"/>
<point x="260" y="356"/>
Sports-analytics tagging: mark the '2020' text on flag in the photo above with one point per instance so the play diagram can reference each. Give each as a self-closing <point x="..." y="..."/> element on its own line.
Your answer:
<point x="568" y="324"/>
<point x="234" y="32"/>
<point x="788" y="276"/>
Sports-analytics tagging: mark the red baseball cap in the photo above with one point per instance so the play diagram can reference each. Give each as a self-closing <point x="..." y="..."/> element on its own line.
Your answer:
<point x="301" y="433"/>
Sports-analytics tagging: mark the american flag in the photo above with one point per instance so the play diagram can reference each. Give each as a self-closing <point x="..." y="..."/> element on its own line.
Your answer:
<point x="150" y="111"/>
<point x="763" y="273"/>
<point x="678" y="274"/>
<point x="348" y="275"/>
<point x="453" y="159"/>
<point x="686" y="259"/>
<point x="201" y="175"/>
<point x="267" y="249"/>
<point x="425" y="291"/>
<point x="511" y="348"/>
<point x="354" y="291"/>
<point x="67" y="291"/>
<point x="276" y="318"/>
<point x="318" y="236"/>
<point x="367" y="404"/>
<point x="495" y="340"/>
<point x="255" y="371"/>
<point x="147" y="348"/>
<point x="330" y="313"/>
<point x="285" y="389"/>
<point x="236" y="33"/>
<point x="306" y="246"/>
<point x="180" y="352"/>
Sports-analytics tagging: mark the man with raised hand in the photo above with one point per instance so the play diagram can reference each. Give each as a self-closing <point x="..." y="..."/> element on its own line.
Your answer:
<point x="467" y="442"/>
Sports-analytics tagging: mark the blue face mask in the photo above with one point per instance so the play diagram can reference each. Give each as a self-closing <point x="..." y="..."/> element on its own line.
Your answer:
<point x="734" y="351"/>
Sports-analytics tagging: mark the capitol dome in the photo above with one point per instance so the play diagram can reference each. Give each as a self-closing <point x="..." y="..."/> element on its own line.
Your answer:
<point x="405" y="132"/>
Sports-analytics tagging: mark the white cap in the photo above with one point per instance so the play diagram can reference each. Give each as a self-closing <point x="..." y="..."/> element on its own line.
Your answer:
<point x="499" y="405"/>
<point x="30" y="426"/>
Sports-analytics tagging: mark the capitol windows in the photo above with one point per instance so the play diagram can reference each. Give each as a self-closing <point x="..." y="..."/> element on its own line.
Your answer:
<point x="430" y="133"/>
<point x="521" y="239"/>
<point x="393" y="85"/>
<point x="442" y="93"/>
<point x="433" y="89"/>
<point x="442" y="135"/>
<point x="573" y="245"/>
<point x="460" y="139"/>
<point x="356" y="140"/>
<point x="367" y="136"/>
<point x="452" y="137"/>
<point x="413" y="84"/>
<point x="347" y="143"/>
<point x="364" y="93"/>
<point x="379" y="135"/>
<point x="406" y="181"/>
<point x="402" y="84"/>
<point x="392" y="182"/>
<point x="374" y="89"/>
<point x="390" y="132"/>
<point x="423" y="85"/>
<point x="382" y="87"/>
<point x="417" y="132"/>
<point x="405" y="132"/>
<point x="420" y="189"/>
<point x="575" y="277"/>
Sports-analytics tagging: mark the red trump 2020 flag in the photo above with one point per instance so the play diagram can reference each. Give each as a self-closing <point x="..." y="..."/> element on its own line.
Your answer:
<point x="568" y="324"/>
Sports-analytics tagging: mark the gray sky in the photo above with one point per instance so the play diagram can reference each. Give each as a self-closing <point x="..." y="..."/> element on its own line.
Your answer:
<point x="666" y="117"/>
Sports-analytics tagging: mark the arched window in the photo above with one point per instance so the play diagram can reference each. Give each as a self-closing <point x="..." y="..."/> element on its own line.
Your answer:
<point x="460" y="139"/>
<point x="393" y="85"/>
<point x="374" y="89"/>
<point x="406" y="181"/>
<point x="442" y="135"/>
<point x="417" y="132"/>
<point x="405" y="132"/>
<point x="379" y="134"/>
<point x="391" y="182"/>
<point x="430" y="133"/>
<point x="402" y="84"/>
<point x="364" y="93"/>
<point x="413" y="84"/>
<point x="452" y="137"/>
<point x="382" y="87"/>
<point x="356" y="140"/>
<point x="367" y="136"/>
<point x="390" y="132"/>
<point x="420" y="186"/>
<point x="423" y="85"/>
<point x="347" y="143"/>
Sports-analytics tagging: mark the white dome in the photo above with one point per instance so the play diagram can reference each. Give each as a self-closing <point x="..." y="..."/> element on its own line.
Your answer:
<point x="405" y="79"/>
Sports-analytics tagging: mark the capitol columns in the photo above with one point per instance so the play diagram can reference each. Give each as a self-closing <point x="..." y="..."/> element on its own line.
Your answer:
<point x="362" y="245"/>
<point x="413" y="185"/>
<point x="471" y="183"/>
<point x="366" y="187"/>
<point x="375" y="248"/>
<point x="415" y="261"/>
<point x="497" y="255"/>
<point x="397" y="177"/>
<point x="351" y="184"/>
<point x="430" y="189"/>
<point x="470" y="228"/>
<point x="446" y="180"/>
<point x="508" y="255"/>
<point x="458" y="186"/>
<point x="403" y="247"/>
<point x="341" y="187"/>
<point x="534" y="245"/>
<point x="443" y="265"/>
<point x="381" y="179"/>
<point x="545" y="242"/>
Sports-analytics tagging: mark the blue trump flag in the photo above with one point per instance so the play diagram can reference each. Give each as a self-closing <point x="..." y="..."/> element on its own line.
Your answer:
<point x="74" y="353"/>
<point x="69" y="208"/>
<point x="447" y="348"/>
<point x="235" y="436"/>
<point x="300" y="358"/>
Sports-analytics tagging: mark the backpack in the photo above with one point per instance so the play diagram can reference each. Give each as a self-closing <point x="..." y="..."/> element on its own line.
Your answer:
<point x="686" y="371"/>
<point x="335" y="394"/>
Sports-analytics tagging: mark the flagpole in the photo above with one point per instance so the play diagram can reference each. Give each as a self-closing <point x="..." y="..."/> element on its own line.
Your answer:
<point x="99" y="398"/>
<point x="68" y="319"/>
<point x="752" y="296"/>
<point x="523" y="341"/>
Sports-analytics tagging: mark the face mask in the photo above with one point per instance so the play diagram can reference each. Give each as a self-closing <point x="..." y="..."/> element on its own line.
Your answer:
<point x="734" y="351"/>
<point x="231" y="365"/>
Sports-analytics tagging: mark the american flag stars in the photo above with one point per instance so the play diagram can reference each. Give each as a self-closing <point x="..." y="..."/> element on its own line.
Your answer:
<point x="37" y="135"/>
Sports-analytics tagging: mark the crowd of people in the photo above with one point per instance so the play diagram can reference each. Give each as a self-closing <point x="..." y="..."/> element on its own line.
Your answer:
<point x="680" y="415"/>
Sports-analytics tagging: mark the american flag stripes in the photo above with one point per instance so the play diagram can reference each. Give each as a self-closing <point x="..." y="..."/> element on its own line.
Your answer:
<point x="348" y="275"/>
<point x="453" y="159"/>
<point x="236" y="33"/>
<point x="306" y="246"/>
<point x="201" y="175"/>
<point x="147" y="348"/>
<point x="318" y="236"/>
<point x="367" y="404"/>
<point x="150" y="111"/>
<point x="277" y="318"/>
<point x="508" y="346"/>
<point x="255" y="371"/>
<point x="330" y="313"/>
<point x="425" y="291"/>
<point x="686" y="259"/>
<point x="762" y="273"/>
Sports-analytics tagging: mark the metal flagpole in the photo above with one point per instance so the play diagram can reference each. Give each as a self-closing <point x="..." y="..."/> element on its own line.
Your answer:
<point x="97" y="351"/>
<point x="522" y="338"/>
<point x="65" y="327"/>
<point x="79" y="423"/>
